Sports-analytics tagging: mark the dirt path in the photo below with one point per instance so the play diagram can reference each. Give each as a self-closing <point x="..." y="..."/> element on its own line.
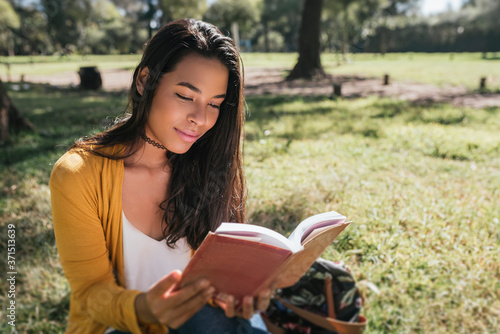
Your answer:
<point x="270" y="81"/>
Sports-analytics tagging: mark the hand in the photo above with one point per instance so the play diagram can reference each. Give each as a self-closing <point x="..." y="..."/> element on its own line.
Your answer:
<point x="250" y="305"/>
<point x="172" y="308"/>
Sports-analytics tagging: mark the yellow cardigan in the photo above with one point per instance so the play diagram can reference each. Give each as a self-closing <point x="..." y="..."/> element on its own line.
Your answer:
<point x="86" y="192"/>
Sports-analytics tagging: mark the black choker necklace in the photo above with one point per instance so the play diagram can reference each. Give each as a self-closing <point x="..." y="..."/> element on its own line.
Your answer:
<point x="152" y="142"/>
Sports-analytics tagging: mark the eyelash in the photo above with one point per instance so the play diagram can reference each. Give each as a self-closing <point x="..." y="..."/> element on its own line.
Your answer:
<point x="189" y="99"/>
<point x="183" y="97"/>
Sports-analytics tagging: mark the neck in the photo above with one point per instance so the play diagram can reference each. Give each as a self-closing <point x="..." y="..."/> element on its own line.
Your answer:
<point x="147" y="155"/>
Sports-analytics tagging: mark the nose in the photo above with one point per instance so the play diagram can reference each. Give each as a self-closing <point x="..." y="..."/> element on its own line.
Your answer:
<point x="198" y="115"/>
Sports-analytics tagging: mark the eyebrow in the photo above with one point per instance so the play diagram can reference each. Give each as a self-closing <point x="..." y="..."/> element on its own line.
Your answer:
<point x="197" y="90"/>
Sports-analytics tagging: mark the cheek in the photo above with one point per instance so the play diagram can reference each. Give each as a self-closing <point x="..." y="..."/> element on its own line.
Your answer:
<point x="161" y="110"/>
<point x="212" y="119"/>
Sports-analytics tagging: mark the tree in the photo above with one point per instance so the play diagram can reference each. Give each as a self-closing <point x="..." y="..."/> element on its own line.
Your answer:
<point x="8" y="20"/>
<point x="141" y="16"/>
<point x="151" y="14"/>
<point x="283" y="17"/>
<point x="107" y="30"/>
<point x="340" y="16"/>
<point x="179" y="9"/>
<point x="10" y="119"/>
<point x="350" y="22"/>
<point x="475" y="27"/>
<point x="309" y="63"/>
<point x="32" y="36"/>
<point x="224" y="13"/>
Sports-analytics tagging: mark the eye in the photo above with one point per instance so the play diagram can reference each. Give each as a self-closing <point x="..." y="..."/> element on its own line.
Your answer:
<point x="214" y="106"/>
<point x="184" y="98"/>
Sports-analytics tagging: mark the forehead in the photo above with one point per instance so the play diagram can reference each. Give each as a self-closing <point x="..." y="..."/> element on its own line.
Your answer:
<point x="207" y="74"/>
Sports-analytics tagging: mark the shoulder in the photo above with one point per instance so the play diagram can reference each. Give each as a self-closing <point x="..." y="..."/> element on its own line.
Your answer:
<point x="74" y="163"/>
<point x="81" y="166"/>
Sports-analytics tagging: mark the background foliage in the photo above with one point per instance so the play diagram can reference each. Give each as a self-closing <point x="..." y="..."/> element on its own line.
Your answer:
<point x="122" y="26"/>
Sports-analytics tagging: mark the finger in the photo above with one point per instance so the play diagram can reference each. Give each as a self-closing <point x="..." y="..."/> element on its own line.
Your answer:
<point x="183" y="312"/>
<point x="226" y="303"/>
<point x="230" y="311"/>
<point x="248" y="309"/>
<point x="263" y="300"/>
<point x="187" y="292"/>
<point x="165" y="283"/>
<point x="162" y="300"/>
<point x="221" y="304"/>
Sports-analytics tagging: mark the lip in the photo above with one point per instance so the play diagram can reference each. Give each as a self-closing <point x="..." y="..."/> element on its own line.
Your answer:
<point x="187" y="135"/>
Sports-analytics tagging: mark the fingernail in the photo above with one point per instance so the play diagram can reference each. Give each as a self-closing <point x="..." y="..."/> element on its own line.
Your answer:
<point x="203" y="283"/>
<point x="210" y="291"/>
<point x="222" y="296"/>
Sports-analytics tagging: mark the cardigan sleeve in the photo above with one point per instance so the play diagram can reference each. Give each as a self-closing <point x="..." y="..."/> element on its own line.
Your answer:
<point x="81" y="244"/>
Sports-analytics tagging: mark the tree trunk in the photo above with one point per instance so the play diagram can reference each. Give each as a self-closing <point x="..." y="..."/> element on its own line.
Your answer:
<point x="148" y="16"/>
<point x="383" y="38"/>
<point x="266" y="37"/>
<point x="345" y="34"/>
<point x="309" y="64"/>
<point x="10" y="119"/>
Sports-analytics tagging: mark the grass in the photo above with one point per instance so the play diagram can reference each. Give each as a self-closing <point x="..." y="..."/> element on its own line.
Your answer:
<point x="47" y="65"/>
<point x="61" y="117"/>
<point x="421" y="187"/>
<point x="442" y="69"/>
<point x="420" y="183"/>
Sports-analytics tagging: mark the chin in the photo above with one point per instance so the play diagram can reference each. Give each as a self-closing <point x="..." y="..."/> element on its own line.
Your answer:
<point x="180" y="150"/>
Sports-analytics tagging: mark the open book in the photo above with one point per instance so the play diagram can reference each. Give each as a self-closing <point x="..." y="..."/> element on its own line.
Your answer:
<point x="243" y="259"/>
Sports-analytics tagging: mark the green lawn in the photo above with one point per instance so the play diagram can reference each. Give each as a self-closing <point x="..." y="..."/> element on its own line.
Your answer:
<point x="420" y="184"/>
<point x="442" y="69"/>
<point x="47" y="65"/>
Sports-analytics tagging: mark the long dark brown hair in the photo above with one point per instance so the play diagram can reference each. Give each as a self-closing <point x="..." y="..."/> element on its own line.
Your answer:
<point x="207" y="183"/>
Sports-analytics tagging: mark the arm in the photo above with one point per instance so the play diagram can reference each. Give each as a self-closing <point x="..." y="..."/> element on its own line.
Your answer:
<point x="82" y="248"/>
<point x="84" y="256"/>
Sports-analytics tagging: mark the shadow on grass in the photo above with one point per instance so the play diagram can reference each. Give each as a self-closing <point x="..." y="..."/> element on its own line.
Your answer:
<point x="60" y="116"/>
<point x="267" y="107"/>
<point x="46" y="315"/>
<point x="285" y="217"/>
<point x="491" y="58"/>
<point x="389" y="109"/>
<point x="492" y="110"/>
<point x="13" y="154"/>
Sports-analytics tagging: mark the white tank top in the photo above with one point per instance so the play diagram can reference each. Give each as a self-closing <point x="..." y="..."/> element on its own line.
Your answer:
<point x="146" y="260"/>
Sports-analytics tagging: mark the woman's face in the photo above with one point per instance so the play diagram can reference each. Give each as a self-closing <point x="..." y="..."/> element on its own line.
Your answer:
<point x="186" y="102"/>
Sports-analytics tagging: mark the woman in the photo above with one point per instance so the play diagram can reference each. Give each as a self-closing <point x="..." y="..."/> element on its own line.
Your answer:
<point x="132" y="203"/>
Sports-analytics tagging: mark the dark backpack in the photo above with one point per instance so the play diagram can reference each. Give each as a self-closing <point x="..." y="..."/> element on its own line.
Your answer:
<point x="309" y="294"/>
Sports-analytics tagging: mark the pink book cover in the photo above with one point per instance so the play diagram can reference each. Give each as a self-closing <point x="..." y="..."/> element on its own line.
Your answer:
<point x="234" y="266"/>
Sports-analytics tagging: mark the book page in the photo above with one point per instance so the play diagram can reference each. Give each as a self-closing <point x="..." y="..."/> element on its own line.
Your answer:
<point x="241" y="237"/>
<point x="308" y="225"/>
<point x="314" y="233"/>
<point x="298" y="263"/>
<point x="266" y="235"/>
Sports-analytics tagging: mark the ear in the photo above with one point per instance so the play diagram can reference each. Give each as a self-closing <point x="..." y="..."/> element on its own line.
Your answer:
<point x="142" y="78"/>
